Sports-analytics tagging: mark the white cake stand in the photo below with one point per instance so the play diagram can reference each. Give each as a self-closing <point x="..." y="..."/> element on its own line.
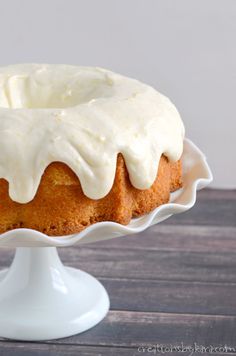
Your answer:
<point x="40" y="299"/>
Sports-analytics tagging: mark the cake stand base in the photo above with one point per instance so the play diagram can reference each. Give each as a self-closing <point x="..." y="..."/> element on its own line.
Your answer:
<point x="40" y="299"/>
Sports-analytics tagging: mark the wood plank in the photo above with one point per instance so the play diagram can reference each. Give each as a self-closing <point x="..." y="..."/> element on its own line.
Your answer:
<point x="132" y="329"/>
<point x="176" y="237"/>
<point x="220" y="212"/>
<point x="161" y="237"/>
<point x="148" y="264"/>
<point x="213" y="207"/>
<point x="10" y="348"/>
<point x="217" y="194"/>
<point x="145" y="295"/>
<point x="153" y="265"/>
<point x="13" y="348"/>
<point x="171" y="297"/>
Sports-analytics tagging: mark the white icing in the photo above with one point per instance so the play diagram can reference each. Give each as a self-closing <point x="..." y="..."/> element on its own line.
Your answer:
<point x="83" y="117"/>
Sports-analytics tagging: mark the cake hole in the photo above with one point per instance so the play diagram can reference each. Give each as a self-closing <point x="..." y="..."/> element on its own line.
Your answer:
<point x="84" y="223"/>
<point x="52" y="87"/>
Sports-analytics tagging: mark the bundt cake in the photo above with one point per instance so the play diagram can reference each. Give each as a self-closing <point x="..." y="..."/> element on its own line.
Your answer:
<point x="79" y="145"/>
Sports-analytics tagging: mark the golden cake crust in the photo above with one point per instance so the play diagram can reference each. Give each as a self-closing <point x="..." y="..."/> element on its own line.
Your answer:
<point x="60" y="206"/>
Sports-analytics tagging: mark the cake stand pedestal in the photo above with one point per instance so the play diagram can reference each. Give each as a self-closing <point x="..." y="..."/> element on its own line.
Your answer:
<point x="40" y="299"/>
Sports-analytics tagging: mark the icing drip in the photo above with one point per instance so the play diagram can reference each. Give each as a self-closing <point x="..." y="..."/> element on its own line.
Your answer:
<point x="83" y="117"/>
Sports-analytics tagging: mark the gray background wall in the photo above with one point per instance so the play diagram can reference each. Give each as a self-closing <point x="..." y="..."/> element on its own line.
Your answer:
<point x="185" y="48"/>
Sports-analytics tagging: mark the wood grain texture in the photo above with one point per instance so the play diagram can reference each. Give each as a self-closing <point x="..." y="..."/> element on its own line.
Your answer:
<point x="174" y="283"/>
<point x="40" y="349"/>
<point x="128" y="328"/>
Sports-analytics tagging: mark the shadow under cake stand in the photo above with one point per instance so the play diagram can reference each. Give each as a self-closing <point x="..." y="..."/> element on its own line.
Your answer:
<point x="41" y="299"/>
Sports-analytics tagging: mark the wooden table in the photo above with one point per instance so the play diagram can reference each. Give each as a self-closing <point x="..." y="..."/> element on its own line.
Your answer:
<point x="174" y="284"/>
